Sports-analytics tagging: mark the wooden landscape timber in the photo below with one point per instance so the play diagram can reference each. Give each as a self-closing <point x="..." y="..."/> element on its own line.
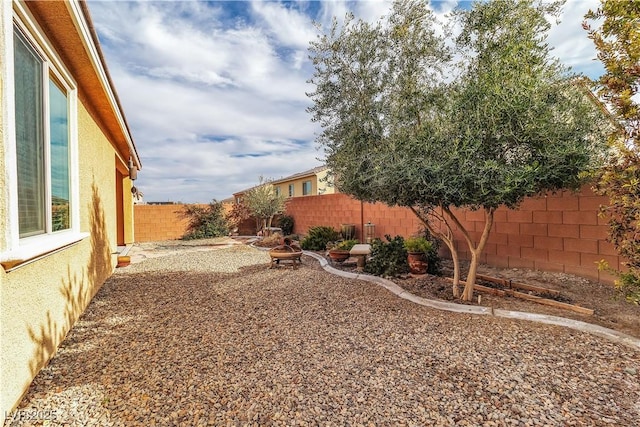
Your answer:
<point x="515" y="285"/>
<point x="525" y="296"/>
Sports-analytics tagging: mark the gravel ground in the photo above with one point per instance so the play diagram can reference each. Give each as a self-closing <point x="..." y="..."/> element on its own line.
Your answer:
<point x="215" y="337"/>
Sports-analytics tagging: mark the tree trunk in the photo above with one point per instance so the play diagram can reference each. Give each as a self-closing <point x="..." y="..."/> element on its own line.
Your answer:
<point x="447" y="238"/>
<point x="456" y="271"/>
<point x="467" y="295"/>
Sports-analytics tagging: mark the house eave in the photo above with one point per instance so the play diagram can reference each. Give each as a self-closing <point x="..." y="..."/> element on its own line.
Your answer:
<point x="69" y="28"/>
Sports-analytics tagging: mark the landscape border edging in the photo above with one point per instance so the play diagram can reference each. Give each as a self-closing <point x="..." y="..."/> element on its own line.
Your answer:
<point x="601" y="331"/>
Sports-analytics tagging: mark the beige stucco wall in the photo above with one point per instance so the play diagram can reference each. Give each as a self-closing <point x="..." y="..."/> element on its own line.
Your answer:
<point x="129" y="217"/>
<point x="315" y="184"/>
<point x="3" y="179"/>
<point x="323" y="186"/>
<point x="41" y="300"/>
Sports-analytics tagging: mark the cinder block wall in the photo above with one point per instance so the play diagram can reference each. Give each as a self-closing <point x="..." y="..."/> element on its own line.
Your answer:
<point x="558" y="232"/>
<point x="336" y="209"/>
<point x="158" y="222"/>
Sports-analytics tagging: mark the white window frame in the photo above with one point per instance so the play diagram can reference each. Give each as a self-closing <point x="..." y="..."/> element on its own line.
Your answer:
<point x="19" y="251"/>
<point x="292" y="190"/>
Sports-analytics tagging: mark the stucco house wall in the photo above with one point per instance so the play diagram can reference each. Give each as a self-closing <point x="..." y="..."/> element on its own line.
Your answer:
<point x="43" y="292"/>
<point x="317" y="177"/>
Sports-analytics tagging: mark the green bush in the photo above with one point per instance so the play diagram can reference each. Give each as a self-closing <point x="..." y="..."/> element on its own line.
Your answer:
<point x="387" y="258"/>
<point x="346" y="245"/>
<point x="318" y="237"/>
<point x="205" y="222"/>
<point x="628" y="285"/>
<point x="286" y="224"/>
<point x="435" y="264"/>
<point x="418" y="244"/>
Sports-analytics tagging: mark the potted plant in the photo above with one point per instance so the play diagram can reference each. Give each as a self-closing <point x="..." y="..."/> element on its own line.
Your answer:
<point x="418" y="249"/>
<point x="339" y="252"/>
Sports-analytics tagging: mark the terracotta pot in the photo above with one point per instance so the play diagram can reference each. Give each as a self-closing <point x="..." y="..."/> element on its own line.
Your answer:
<point x="338" y="255"/>
<point x="418" y="263"/>
<point x="123" y="261"/>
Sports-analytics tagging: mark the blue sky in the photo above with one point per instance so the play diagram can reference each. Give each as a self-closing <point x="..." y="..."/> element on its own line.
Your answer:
<point x="214" y="92"/>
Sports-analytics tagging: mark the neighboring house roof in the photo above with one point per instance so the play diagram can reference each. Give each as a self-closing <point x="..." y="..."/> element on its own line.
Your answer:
<point x="73" y="35"/>
<point x="310" y="172"/>
<point x="584" y="84"/>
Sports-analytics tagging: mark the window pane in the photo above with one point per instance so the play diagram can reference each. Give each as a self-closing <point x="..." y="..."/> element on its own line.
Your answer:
<point x="29" y="138"/>
<point x="306" y="188"/>
<point x="59" y="130"/>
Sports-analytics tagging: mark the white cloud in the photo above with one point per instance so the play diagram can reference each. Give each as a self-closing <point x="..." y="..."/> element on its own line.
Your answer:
<point x="290" y="27"/>
<point x="570" y="40"/>
<point x="214" y="92"/>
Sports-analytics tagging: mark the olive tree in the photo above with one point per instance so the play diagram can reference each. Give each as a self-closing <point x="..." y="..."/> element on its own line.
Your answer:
<point x="264" y="202"/>
<point x="404" y="124"/>
<point x="618" y="43"/>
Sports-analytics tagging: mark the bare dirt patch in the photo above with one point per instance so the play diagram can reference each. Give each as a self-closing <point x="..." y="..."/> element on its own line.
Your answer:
<point x="610" y="310"/>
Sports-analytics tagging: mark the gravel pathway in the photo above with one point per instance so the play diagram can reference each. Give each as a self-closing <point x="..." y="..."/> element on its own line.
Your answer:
<point x="216" y="338"/>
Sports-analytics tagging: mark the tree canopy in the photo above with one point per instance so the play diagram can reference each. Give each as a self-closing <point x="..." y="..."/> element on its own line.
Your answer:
<point x="264" y="202"/>
<point x="618" y="43"/>
<point x="415" y="117"/>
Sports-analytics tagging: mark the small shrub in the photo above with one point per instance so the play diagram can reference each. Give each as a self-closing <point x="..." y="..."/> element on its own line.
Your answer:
<point x="628" y="284"/>
<point x="435" y="264"/>
<point x="318" y="237"/>
<point x="286" y="224"/>
<point x="239" y="212"/>
<point x="271" y="241"/>
<point x="387" y="258"/>
<point x="346" y="245"/>
<point x="205" y="222"/>
<point x="418" y="244"/>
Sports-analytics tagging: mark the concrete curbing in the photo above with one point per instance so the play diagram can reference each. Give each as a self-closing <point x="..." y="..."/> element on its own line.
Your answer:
<point x="609" y="334"/>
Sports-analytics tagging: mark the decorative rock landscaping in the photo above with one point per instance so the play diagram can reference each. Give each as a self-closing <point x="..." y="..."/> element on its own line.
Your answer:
<point x="215" y="337"/>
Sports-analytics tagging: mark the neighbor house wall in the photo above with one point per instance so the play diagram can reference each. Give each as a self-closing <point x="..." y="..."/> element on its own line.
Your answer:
<point x="42" y="299"/>
<point x="297" y="186"/>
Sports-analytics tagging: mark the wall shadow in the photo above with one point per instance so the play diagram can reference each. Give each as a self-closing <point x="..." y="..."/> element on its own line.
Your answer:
<point x="77" y="289"/>
<point x="100" y="264"/>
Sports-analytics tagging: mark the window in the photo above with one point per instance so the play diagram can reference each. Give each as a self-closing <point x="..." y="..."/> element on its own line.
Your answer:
<point x="306" y="188"/>
<point x="42" y="210"/>
<point x="290" y="190"/>
<point x="42" y="144"/>
<point x="277" y="191"/>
